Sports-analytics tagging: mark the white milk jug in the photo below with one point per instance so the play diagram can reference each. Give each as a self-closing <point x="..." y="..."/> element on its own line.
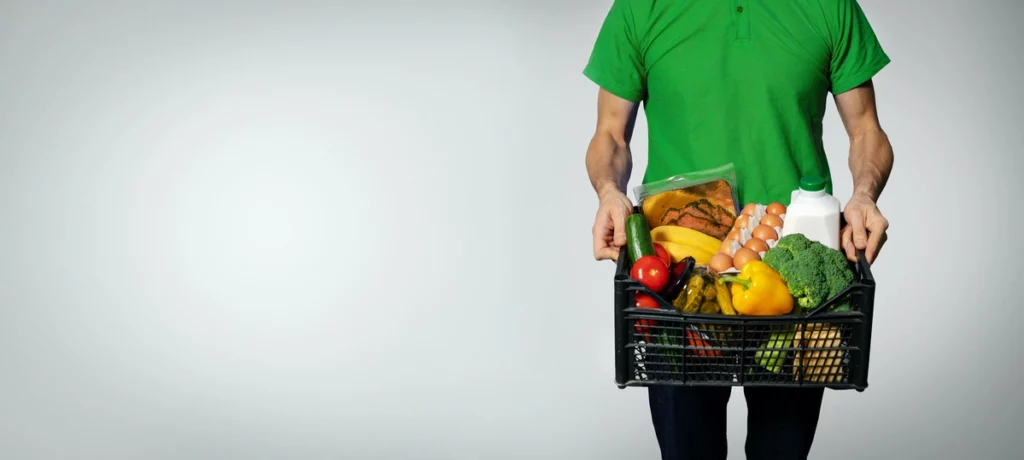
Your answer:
<point x="813" y="213"/>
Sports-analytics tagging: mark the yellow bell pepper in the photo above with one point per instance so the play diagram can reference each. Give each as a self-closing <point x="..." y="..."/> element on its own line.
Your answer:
<point x="758" y="290"/>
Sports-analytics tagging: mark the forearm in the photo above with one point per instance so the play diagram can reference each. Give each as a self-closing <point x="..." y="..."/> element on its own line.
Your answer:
<point x="609" y="163"/>
<point x="871" y="161"/>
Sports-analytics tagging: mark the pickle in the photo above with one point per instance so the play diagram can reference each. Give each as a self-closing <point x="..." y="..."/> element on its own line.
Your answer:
<point x="694" y="295"/>
<point x="709" y="307"/>
<point x="710" y="292"/>
<point x="724" y="299"/>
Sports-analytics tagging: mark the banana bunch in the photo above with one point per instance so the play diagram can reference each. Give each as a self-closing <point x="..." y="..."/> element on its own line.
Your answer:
<point x="682" y="242"/>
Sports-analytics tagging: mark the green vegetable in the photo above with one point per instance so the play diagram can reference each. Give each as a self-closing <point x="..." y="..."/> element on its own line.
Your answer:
<point x="664" y="340"/>
<point x="813" y="272"/>
<point x="767" y="356"/>
<point x="837" y="271"/>
<point x="795" y="242"/>
<point x="638" y="237"/>
<point x="779" y="258"/>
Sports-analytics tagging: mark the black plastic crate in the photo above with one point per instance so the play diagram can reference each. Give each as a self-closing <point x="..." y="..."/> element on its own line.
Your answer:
<point x="666" y="347"/>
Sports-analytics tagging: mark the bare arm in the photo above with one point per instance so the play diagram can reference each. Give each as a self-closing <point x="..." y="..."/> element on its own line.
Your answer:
<point x="609" y="160"/>
<point x="609" y="163"/>
<point x="871" y="155"/>
<point x="871" y="161"/>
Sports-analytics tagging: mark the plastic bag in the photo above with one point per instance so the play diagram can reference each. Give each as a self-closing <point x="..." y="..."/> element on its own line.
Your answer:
<point x="705" y="201"/>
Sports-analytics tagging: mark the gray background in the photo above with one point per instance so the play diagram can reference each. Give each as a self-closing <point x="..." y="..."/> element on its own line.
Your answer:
<point x="329" y="230"/>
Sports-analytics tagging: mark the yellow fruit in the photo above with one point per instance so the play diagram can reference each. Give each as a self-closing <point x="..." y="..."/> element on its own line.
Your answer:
<point x="686" y="236"/>
<point x="680" y="251"/>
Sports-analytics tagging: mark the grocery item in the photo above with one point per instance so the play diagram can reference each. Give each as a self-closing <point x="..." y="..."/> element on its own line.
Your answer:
<point x="638" y="237"/>
<point x="755" y="232"/>
<point x="692" y="297"/>
<point x="687" y="236"/>
<point x="704" y="201"/>
<point x="818" y="365"/>
<point x="774" y="221"/>
<point x="813" y="213"/>
<point x="679" y="252"/>
<point x="651" y="272"/>
<point x="764" y="233"/>
<point x="720" y="262"/>
<point x="680" y="275"/>
<point x="758" y="290"/>
<point x="702" y="294"/>
<point x="663" y="254"/>
<point x="776" y="209"/>
<point x="769" y="355"/>
<point x="709" y="307"/>
<point x="757" y="245"/>
<point x="743" y="256"/>
<point x="724" y="299"/>
<point x="645" y="301"/>
<point x="643" y="326"/>
<point x="813" y="272"/>
<point x="699" y="345"/>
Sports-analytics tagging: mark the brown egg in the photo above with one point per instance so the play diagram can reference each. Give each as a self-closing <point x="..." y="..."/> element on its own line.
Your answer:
<point x="734" y="235"/>
<point x="749" y="209"/>
<point x="776" y="209"/>
<point x="771" y="220"/>
<point x="720" y="262"/>
<point x="726" y="248"/>
<point x="742" y="221"/>
<point x="764" y="233"/>
<point x="756" y="245"/>
<point x="742" y="256"/>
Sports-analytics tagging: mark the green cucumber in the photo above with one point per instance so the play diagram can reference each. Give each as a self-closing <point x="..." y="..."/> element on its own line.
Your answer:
<point x="638" y="237"/>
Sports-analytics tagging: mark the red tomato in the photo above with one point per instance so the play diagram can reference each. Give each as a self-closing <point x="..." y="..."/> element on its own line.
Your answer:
<point x="663" y="254"/>
<point x="651" y="272"/>
<point x="643" y="326"/>
<point x="646" y="301"/>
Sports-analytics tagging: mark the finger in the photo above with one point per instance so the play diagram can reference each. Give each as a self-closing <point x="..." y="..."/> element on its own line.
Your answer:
<point x="878" y="249"/>
<point x="601" y="231"/>
<point x="877" y="230"/>
<point x="607" y="254"/>
<point x="860" y="234"/>
<point x="619" y="222"/>
<point x="881" y="242"/>
<point x="846" y="241"/>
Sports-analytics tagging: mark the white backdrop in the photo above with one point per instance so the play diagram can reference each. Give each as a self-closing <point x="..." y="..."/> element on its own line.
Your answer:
<point x="312" y="230"/>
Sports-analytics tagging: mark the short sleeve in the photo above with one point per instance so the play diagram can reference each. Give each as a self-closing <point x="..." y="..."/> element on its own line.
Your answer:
<point x="856" y="53"/>
<point x="615" y="63"/>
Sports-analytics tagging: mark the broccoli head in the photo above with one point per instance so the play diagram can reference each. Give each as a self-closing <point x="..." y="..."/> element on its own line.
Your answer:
<point x="813" y="272"/>
<point x="778" y="257"/>
<point x="794" y="242"/>
<point x="805" y="279"/>
<point x="836" y="268"/>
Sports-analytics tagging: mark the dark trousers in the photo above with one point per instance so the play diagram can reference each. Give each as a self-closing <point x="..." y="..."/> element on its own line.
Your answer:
<point x="689" y="422"/>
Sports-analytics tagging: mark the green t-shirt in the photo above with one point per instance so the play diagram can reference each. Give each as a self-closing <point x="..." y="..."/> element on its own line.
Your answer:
<point x="736" y="81"/>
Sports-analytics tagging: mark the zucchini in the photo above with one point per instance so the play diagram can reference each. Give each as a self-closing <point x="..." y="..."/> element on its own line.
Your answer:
<point x="638" y="237"/>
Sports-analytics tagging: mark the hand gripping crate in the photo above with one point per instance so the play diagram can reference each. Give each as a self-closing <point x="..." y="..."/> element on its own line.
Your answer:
<point x="819" y="349"/>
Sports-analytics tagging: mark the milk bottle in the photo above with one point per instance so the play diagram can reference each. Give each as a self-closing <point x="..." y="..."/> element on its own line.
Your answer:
<point x="813" y="213"/>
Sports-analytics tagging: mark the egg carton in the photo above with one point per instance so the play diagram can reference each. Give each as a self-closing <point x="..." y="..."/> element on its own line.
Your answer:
<point x="746" y="233"/>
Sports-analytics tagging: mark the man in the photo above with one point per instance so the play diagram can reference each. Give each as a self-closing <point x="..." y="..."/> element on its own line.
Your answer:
<point x="746" y="82"/>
